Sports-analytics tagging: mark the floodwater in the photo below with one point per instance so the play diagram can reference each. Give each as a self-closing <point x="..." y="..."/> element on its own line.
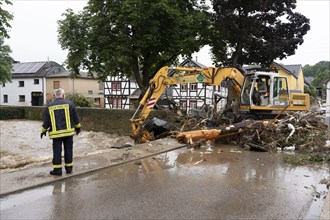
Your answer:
<point x="208" y="183"/>
<point x="220" y="182"/>
<point x="21" y="146"/>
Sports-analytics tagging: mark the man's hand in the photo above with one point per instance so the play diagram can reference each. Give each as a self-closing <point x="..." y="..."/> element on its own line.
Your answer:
<point x="78" y="130"/>
<point x="42" y="134"/>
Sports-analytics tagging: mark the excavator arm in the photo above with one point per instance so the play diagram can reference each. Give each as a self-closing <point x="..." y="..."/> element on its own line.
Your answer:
<point x="178" y="75"/>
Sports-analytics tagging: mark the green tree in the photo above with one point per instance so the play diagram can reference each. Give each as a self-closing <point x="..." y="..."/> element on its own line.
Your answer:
<point x="308" y="70"/>
<point x="5" y="62"/>
<point x="310" y="90"/>
<point x="132" y="37"/>
<point x="5" y="17"/>
<point x="321" y="78"/>
<point x="255" y="31"/>
<point x="320" y="71"/>
<point x="5" y="59"/>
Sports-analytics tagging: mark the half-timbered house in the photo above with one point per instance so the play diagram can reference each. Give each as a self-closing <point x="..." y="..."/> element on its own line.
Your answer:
<point x="117" y="92"/>
<point x="196" y="96"/>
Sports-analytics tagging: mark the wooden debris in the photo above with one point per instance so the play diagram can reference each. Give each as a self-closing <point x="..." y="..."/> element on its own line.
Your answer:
<point x="305" y="131"/>
<point x="221" y="132"/>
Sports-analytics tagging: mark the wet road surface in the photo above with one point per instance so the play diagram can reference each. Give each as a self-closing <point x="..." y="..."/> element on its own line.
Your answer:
<point x="224" y="183"/>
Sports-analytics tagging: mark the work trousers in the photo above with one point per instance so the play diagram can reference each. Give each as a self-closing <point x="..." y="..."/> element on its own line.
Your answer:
<point x="68" y="152"/>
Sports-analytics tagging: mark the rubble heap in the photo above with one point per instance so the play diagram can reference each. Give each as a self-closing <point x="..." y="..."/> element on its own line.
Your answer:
<point x="300" y="131"/>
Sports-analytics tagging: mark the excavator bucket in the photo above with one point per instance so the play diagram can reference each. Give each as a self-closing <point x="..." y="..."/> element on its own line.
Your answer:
<point x="160" y="128"/>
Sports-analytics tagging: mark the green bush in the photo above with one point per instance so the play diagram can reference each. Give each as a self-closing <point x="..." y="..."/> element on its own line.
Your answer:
<point x="9" y="112"/>
<point x="311" y="91"/>
<point x="80" y="101"/>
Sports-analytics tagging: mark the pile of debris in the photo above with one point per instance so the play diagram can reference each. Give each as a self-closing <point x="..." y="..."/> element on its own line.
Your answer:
<point x="305" y="132"/>
<point x="298" y="131"/>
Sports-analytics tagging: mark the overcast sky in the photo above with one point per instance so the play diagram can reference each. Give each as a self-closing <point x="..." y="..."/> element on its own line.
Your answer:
<point x="34" y="31"/>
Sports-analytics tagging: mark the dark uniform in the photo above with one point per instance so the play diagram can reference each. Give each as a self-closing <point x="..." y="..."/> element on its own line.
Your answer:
<point x="61" y="120"/>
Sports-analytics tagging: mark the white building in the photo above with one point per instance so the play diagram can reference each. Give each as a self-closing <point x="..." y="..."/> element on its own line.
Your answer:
<point x="28" y="84"/>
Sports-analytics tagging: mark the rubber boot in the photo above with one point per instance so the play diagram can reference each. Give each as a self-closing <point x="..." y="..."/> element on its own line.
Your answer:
<point x="56" y="172"/>
<point x="68" y="169"/>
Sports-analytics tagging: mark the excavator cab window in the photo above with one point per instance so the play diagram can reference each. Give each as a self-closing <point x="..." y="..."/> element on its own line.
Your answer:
<point x="246" y="90"/>
<point x="280" y="91"/>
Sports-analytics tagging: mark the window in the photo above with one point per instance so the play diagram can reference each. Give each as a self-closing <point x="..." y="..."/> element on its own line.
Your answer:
<point x="183" y="87"/>
<point x="193" y="104"/>
<point x="193" y="87"/>
<point x="36" y="81"/>
<point x="183" y="104"/>
<point x="116" y="86"/>
<point x="56" y="84"/>
<point x="5" y="98"/>
<point x="20" y="83"/>
<point x="21" y="98"/>
<point x="4" y="85"/>
<point x="90" y="91"/>
<point x="116" y="102"/>
<point x="101" y="85"/>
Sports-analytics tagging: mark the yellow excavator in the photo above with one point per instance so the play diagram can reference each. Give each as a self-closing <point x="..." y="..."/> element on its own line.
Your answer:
<point x="261" y="94"/>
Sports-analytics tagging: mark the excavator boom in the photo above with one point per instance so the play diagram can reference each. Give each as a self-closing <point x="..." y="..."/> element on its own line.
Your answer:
<point x="173" y="76"/>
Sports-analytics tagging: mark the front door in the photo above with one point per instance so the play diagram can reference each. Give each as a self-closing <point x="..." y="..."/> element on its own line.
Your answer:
<point x="37" y="99"/>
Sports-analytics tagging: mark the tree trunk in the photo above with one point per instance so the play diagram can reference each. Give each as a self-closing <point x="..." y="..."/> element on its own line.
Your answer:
<point x="223" y="131"/>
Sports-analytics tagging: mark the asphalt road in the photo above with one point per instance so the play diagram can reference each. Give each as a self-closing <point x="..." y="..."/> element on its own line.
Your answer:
<point x="226" y="183"/>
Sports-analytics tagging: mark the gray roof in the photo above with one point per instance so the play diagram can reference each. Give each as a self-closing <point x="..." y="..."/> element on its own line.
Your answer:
<point x="308" y="80"/>
<point x="187" y="63"/>
<point x="192" y="63"/>
<point x="36" y="69"/>
<point x="291" y="69"/>
<point x="294" y="69"/>
<point x="83" y="75"/>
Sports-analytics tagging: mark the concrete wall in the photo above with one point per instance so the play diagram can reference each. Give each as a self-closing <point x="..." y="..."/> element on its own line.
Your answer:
<point x="92" y="119"/>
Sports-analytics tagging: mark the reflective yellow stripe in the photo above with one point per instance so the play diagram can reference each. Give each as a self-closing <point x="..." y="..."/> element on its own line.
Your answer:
<point x="58" y="107"/>
<point x="52" y="119"/>
<point x="78" y="125"/>
<point x="68" y="131"/>
<point x="43" y="129"/>
<point x="69" y="164"/>
<point x="67" y="117"/>
<point x="57" y="165"/>
<point x="61" y="133"/>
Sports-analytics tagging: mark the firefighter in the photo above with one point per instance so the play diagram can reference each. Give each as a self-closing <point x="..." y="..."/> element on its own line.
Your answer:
<point x="62" y="121"/>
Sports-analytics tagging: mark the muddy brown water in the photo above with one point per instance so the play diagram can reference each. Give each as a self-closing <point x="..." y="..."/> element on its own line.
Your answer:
<point x="21" y="146"/>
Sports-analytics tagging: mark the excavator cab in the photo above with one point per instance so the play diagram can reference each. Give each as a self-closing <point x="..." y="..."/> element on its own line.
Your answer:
<point x="265" y="89"/>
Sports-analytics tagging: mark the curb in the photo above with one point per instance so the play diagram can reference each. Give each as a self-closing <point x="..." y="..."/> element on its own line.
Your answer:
<point x="325" y="213"/>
